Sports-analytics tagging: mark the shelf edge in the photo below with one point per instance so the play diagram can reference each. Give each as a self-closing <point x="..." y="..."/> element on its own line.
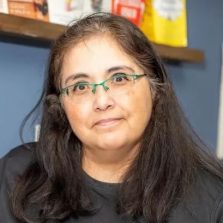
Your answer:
<point x="36" y="29"/>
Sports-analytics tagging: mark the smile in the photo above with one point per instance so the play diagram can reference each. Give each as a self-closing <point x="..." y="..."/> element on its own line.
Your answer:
<point x="107" y="122"/>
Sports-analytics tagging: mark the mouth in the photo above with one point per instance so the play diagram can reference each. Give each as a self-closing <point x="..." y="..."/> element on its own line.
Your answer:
<point x="107" y="122"/>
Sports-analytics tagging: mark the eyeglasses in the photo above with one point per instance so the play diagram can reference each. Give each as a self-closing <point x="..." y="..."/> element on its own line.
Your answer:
<point x="118" y="84"/>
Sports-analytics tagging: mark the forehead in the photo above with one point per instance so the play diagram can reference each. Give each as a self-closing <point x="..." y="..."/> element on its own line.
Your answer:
<point x="96" y="55"/>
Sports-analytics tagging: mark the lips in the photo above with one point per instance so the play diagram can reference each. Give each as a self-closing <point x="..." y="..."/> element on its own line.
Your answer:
<point x="107" y="122"/>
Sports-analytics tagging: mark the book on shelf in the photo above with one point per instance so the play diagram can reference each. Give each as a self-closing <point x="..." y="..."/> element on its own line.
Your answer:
<point x="34" y="9"/>
<point x="66" y="11"/>
<point x="165" y="22"/>
<point x="4" y="6"/>
<point x="132" y="10"/>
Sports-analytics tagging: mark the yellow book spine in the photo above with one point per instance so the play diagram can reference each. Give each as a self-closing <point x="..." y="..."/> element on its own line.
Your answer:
<point x="164" y="22"/>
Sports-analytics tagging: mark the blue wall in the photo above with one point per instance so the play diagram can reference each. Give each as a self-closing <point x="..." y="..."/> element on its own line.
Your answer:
<point x="21" y="77"/>
<point x="197" y="85"/>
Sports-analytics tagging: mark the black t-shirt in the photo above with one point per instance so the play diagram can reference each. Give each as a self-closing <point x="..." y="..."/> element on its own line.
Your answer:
<point x="105" y="199"/>
<point x="203" y="205"/>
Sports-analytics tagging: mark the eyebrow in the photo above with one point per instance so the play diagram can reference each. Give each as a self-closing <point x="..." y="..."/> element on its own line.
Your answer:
<point x="84" y="75"/>
<point x="112" y="69"/>
<point x="76" y="76"/>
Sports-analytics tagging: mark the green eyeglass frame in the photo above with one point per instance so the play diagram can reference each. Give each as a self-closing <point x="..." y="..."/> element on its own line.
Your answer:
<point x="102" y="83"/>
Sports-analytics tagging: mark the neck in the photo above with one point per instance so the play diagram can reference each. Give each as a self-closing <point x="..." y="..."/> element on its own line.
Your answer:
<point x="107" y="165"/>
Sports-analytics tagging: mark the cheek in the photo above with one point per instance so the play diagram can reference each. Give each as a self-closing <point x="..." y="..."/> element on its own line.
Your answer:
<point x="139" y="106"/>
<point x="77" y="116"/>
<point x="139" y="101"/>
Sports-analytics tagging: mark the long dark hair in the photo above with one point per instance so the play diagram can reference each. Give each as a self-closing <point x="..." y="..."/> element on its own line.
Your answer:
<point x="168" y="159"/>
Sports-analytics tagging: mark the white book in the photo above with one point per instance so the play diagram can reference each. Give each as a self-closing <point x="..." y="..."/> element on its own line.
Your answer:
<point x="4" y="6"/>
<point x="65" y="11"/>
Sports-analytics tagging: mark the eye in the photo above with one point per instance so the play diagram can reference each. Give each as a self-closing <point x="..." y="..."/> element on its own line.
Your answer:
<point x="120" y="78"/>
<point x="80" y="88"/>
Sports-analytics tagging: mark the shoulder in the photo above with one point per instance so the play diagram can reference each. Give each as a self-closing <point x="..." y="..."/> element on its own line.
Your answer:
<point x="14" y="163"/>
<point x="203" y="202"/>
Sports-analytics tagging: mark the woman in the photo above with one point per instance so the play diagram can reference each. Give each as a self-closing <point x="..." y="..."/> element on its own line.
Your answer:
<point x="114" y="145"/>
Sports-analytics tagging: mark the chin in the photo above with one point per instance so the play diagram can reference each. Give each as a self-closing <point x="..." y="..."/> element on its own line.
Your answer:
<point x="113" y="144"/>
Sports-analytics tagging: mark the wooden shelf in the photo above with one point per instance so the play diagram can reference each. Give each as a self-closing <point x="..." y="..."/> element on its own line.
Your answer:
<point x="24" y="27"/>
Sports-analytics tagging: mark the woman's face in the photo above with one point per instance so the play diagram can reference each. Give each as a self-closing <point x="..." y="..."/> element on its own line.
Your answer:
<point x="104" y="120"/>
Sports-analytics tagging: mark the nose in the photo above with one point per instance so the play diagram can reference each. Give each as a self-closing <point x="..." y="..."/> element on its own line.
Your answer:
<point x="102" y="99"/>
